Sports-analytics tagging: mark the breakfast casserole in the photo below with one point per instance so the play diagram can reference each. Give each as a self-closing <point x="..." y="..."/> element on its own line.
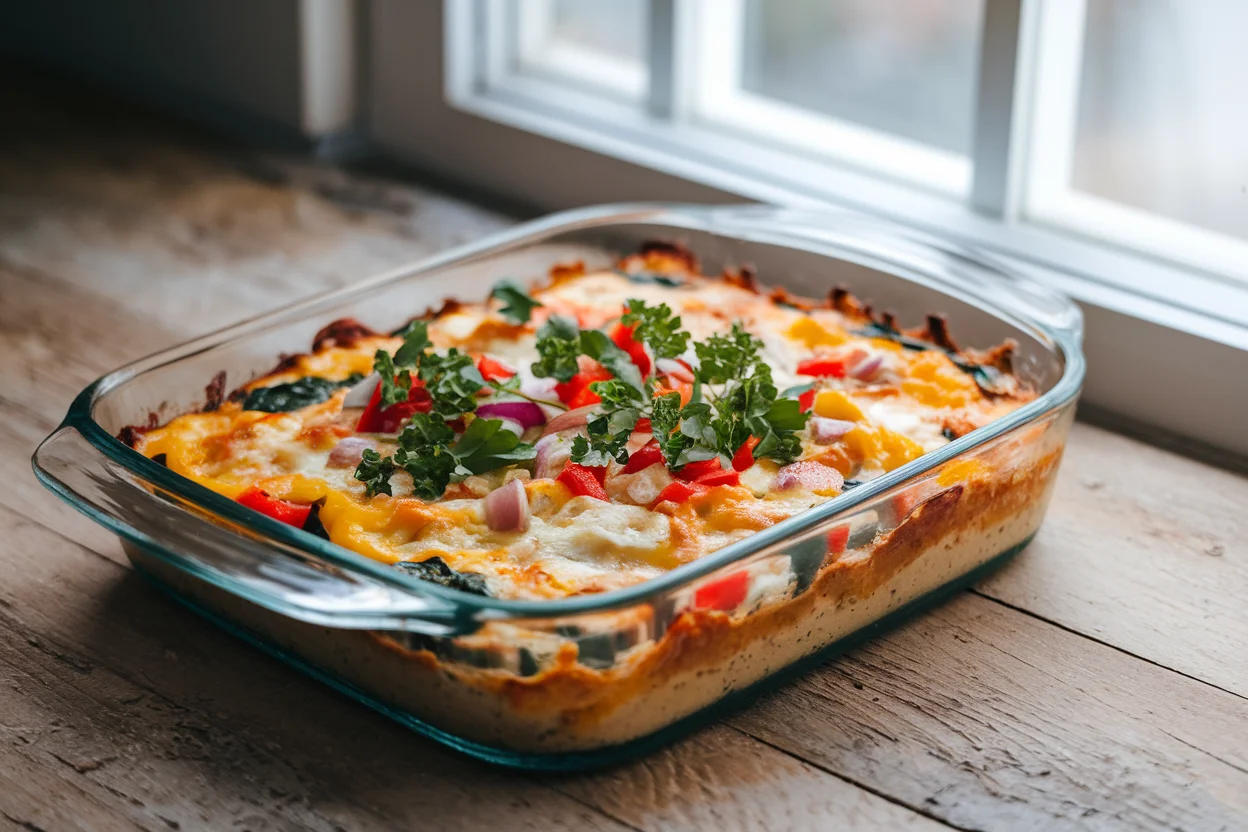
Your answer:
<point x="595" y="431"/>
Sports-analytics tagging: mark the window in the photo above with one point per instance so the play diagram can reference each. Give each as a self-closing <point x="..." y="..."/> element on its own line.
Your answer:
<point x="887" y="86"/>
<point x="1111" y="120"/>
<point x="1091" y="143"/>
<point x="1141" y="128"/>
<point x="600" y="44"/>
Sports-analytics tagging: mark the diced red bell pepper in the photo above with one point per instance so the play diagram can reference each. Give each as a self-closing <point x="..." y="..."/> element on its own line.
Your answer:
<point x="583" y="481"/>
<point x="622" y="335"/>
<point x="838" y="539"/>
<point x="822" y="367"/>
<point x="743" y="459"/>
<point x="643" y="426"/>
<point x="680" y="492"/>
<point x="584" y="398"/>
<point x="724" y="594"/>
<point x="806" y="400"/>
<point x="720" y="477"/>
<point x="647" y="455"/>
<point x="493" y="370"/>
<point x="575" y="391"/>
<point x="694" y="470"/>
<point x="293" y="514"/>
<point x="376" y="419"/>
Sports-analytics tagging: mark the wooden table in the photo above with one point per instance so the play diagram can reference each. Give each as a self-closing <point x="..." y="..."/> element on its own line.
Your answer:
<point x="1100" y="681"/>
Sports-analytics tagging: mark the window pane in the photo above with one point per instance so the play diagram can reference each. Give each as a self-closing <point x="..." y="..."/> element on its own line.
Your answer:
<point x="613" y="27"/>
<point x="1163" y="118"/>
<point x="905" y="67"/>
<point x="598" y="45"/>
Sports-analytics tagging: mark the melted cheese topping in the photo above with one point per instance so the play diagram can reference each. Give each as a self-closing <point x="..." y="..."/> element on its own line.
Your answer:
<point x="579" y="544"/>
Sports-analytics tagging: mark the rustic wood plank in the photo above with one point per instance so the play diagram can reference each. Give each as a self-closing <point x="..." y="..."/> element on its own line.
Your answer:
<point x="722" y="779"/>
<point x="193" y="230"/>
<point x="208" y="731"/>
<point x="983" y="716"/>
<point x="1145" y="550"/>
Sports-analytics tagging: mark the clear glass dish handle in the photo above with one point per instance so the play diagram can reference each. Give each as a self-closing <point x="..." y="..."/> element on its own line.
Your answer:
<point x="947" y="266"/>
<point x="285" y="579"/>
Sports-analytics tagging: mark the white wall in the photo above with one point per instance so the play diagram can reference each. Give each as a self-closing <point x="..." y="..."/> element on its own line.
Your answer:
<point x="247" y="65"/>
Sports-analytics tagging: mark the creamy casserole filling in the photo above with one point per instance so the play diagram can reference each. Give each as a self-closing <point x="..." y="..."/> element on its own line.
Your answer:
<point x="589" y="434"/>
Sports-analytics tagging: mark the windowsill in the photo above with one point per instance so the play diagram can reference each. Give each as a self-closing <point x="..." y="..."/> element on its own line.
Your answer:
<point x="1203" y="305"/>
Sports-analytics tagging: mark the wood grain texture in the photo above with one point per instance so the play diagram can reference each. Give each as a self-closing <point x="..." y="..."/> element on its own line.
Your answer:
<point x="993" y="712"/>
<point x="1144" y="550"/>
<point x="975" y="711"/>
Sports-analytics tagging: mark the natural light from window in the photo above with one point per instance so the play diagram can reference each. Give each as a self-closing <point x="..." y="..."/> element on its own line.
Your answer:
<point x="1124" y="121"/>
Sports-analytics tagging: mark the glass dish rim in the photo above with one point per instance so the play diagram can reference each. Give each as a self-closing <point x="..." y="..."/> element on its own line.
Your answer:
<point x="692" y="217"/>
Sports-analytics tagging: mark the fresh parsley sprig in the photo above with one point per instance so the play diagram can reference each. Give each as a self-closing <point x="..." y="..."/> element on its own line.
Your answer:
<point x="657" y="328"/>
<point x="428" y="451"/>
<point x="560" y="342"/>
<point x="452" y="378"/>
<point x="733" y="395"/>
<point x="517" y="304"/>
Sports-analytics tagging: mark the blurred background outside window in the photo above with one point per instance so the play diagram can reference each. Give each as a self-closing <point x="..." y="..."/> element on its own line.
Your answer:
<point x="1135" y="130"/>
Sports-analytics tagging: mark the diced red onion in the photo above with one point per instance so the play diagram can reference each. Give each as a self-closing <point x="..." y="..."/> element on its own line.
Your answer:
<point x="507" y="508"/>
<point x="526" y="413"/>
<point x="825" y="431"/>
<point x="553" y="451"/>
<point x="812" y="476"/>
<point x="567" y="420"/>
<point x="675" y="369"/>
<point x="360" y="393"/>
<point x="349" y="452"/>
<point x="866" y="370"/>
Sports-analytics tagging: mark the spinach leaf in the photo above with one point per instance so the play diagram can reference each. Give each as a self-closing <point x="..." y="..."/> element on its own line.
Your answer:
<point x="435" y="569"/>
<point x="283" y="398"/>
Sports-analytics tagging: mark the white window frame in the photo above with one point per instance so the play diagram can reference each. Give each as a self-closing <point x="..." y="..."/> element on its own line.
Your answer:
<point x="547" y="146"/>
<point x="1051" y="200"/>
<point x="717" y="42"/>
<point x="537" y="50"/>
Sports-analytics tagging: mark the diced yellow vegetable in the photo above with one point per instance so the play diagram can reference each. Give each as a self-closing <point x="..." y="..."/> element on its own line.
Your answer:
<point x="880" y="445"/>
<point x="814" y="334"/>
<point x="932" y="379"/>
<point x="834" y="404"/>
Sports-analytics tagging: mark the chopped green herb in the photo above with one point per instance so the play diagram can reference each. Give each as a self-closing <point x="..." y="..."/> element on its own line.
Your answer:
<point x="517" y="304"/>
<point x="657" y="328"/>
<point x="558" y="345"/>
<point x="452" y="379"/>
<point x="560" y="342"/>
<point x="429" y="453"/>
<point x="602" y="349"/>
<point x="283" y="398"/>
<point x="374" y="471"/>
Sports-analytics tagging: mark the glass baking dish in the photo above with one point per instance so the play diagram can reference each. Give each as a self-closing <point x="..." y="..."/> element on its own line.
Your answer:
<point x="590" y="680"/>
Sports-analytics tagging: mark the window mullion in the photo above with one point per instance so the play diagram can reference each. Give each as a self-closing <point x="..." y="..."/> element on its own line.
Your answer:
<point x="670" y="59"/>
<point x="1005" y="69"/>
